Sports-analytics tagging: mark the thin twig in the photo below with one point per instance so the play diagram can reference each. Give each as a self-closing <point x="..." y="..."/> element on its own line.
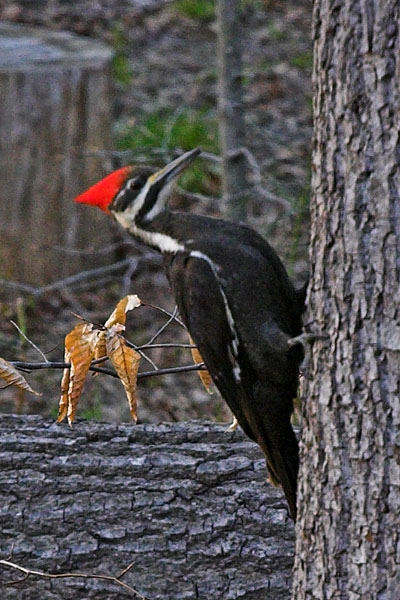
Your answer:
<point x="144" y="152"/>
<point x="32" y="366"/>
<point x="68" y="281"/>
<point x="127" y="277"/>
<point x="112" y="578"/>
<point x="126" y="569"/>
<point x="164" y="327"/>
<point x="100" y="360"/>
<point x="28" y="340"/>
<point x="17" y="581"/>
<point x="142" y="354"/>
<point x="90" y="251"/>
<point x="198" y="197"/>
<point x="166" y="345"/>
<point x="257" y="179"/>
<point x="27" y="367"/>
<point x="165" y="312"/>
<point x="168" y="371"/>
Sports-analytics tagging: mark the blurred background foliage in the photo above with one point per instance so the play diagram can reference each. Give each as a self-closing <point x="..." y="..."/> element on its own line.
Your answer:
<point x="172" y="131"/>
<point x="165" y="102"/>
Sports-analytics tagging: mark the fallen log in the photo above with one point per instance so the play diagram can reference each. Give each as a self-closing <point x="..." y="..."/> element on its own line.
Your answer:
<point x="188" y="503"/>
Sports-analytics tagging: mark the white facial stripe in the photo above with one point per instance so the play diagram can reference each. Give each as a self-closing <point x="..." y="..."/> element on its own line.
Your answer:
<point x="130" y="213"/>
<point x="160" y="202"/>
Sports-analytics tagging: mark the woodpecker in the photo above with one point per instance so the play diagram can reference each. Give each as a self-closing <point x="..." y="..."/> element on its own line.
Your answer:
<point x="234" y="296"/>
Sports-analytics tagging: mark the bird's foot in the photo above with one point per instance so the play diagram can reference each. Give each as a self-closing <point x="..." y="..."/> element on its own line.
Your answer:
<point x="305" y="338"/>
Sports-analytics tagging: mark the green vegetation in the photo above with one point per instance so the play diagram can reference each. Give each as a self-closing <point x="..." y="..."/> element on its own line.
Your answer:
<point x="302" y="61"/>
<point x="94" y="411"/>
<point x="199" y="10"/>
<point x="179" y="130"/>
<point x="90" y="408"/>
<point x="121" y="67"/>
<point x="276" y="34"/>
<point x="204" y="10"/>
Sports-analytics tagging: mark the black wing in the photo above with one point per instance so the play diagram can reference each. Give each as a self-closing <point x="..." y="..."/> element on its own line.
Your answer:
<point x="262" y="410"/>
<point x="203" y="311"/>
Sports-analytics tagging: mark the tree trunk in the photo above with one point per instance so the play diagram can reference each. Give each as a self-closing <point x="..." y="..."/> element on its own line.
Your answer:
<point x="54" y="115"/>
<point x="236" y="176"/>
<point x="188" y="502"/>
<point x="348" y="531"/>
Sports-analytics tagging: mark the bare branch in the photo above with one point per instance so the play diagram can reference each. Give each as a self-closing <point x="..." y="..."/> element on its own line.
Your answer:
<point x="90" y="251"/>
<point x="27" y="367"/>
<point x="28" y="340"/>
<point x="168" y="371"/>
<point x="212" y="157"/>
<point x="111" y="578"/>
<point x="166" y="345"/>
<point x="32" y="366"/>
<point x="165" y="313"/>
<point x="142" y="354"/>
<point x="196" y="196"/>
<point x="20" y="287"/>
<point x="257" y="180"/>
<point x="126" y="280"/>
<point x="126" y="569"/>
<point x="144" y="153"/>
<point x="164" y="327"/>
<point x="68" y="281"/>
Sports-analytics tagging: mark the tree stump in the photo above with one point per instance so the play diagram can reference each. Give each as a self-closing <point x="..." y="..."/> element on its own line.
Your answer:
<point x="54" y="116"/>
<point x="188" y="502"/>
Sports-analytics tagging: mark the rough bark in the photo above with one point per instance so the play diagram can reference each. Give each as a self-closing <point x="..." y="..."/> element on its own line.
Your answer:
<point x="188" y="501"/>
<point x="54" y="114"/>
<point x="236" y="178"/>
<point x="348" y="532"/>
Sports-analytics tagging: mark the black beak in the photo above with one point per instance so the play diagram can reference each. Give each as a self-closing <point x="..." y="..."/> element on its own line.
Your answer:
<point x="174" y="168"/>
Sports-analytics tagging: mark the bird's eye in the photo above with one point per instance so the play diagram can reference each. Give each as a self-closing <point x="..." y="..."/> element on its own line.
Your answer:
<point x="133" y="184"/>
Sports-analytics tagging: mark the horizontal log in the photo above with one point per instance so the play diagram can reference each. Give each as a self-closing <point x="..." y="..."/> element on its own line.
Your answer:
<point x="188" y="502"/>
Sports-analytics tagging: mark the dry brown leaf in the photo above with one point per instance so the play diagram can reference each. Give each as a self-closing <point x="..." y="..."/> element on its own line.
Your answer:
<point x="100" y="350"/>
<point x="119" y="313"/>
<point x="80" y="344"/>
<point x="204" y="375"/>
<point x="83" y="344"/>
<point x="12" y="376"/>
<point x="63" y="403"/>
<point x="82" y="349"/>
<point x="125" y="361"/>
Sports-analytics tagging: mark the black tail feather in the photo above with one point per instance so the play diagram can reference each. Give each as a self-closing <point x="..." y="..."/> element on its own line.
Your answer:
<point x="269" y="418"/>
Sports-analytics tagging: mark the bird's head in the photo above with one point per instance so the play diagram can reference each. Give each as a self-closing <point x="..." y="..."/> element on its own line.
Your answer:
<point x="136" y="195"/>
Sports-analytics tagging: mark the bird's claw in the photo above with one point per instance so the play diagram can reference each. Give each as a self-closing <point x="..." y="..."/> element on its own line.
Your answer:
<point x="305" y="338"/>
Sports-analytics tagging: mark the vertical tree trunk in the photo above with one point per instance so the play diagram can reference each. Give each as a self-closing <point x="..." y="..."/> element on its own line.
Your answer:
<point x="348" y="531"/>
<point x="348" y="527"/>
<point x="236" y="184"/>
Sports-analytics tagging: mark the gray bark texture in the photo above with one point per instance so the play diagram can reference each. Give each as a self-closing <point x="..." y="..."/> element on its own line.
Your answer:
<point x="189" y="502"/>
<point x="236" y="178"/>
<point x="55" y="108"/>
<point x="348" y="530"/>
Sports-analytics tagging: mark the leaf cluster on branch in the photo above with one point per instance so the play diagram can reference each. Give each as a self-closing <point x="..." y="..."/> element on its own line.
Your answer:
<point x="87" y="345"/>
